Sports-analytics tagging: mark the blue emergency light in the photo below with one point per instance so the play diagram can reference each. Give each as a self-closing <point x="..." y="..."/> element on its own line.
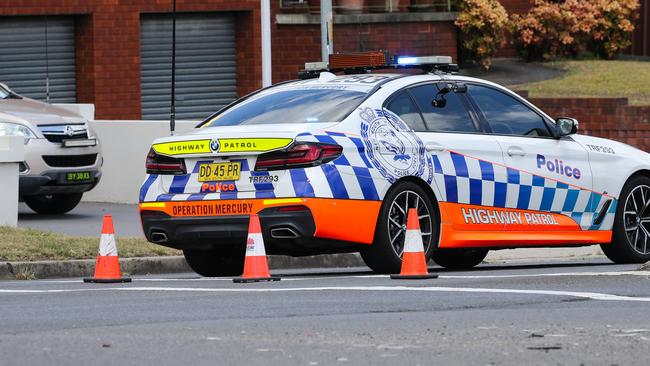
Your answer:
<point x="406" y="60"/>
<point x="422" y="60"/>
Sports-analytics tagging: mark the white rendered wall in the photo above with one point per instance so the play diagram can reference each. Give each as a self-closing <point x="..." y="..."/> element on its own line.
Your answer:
<point x="86" y="111"/>
<point x="125" y="145"/>
<point x="11" y="153"/>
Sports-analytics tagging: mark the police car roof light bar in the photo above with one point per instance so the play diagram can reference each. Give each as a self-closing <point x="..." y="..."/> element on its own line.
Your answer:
<point x="425" y="63"/>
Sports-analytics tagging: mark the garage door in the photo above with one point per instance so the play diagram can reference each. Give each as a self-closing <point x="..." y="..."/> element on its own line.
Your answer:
<point x="205" y="64"/>
<point x="25" y="60"/>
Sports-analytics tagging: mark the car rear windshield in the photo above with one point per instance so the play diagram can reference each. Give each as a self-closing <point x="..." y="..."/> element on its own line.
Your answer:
<point x="291" y="106"/>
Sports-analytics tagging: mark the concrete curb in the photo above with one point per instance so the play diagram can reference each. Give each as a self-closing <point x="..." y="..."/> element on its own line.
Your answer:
<point x="645" y="267"/>
<point x="177" y="264"/>
<point x="157" y="265"/>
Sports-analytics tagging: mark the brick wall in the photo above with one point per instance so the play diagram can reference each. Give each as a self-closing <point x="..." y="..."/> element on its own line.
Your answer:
<point x="516" y="6"/>
<point x="611" y="118"/>
<point x="107" y="43"/>
<point x="293" y="45"/>
<point x="641" y="37"/>
<point x="513" y="7"/>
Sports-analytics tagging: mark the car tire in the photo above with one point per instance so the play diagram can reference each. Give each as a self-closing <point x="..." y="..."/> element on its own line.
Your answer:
<point x="630" y="245"/>
<point x="459" y="258"/>
<point x="227" y="261"/>
<point x="53" y="204"/>
<point x="384" y="257"/>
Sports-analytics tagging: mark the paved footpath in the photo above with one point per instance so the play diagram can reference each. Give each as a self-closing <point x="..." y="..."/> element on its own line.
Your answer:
<point x="564" y="312"/>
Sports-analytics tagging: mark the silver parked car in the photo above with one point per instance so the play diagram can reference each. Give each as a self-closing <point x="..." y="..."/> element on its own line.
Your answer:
<point x="62" y="154"/>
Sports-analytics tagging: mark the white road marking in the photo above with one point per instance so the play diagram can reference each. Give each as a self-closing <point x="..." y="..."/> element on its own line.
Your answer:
<point x="620" y="273"/>
<point x="329" y="277"/>
<point x="227" y="279"/>
<point x="578" y="294"/>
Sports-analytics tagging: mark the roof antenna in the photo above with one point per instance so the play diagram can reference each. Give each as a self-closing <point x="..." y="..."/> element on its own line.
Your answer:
<point x="47" y="67"/>
<point x="172" y="112"/>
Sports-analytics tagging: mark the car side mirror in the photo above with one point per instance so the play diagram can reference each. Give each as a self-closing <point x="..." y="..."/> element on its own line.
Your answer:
<point x="566" y="126"/>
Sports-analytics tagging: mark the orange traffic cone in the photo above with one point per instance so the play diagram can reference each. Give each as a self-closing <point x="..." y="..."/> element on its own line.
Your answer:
<point x="414" y="264"/>
<point x="107" y="267"/>
<point x="256" y="268"/>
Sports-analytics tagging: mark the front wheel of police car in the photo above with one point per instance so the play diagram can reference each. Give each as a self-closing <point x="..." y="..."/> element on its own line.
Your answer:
<point x="459" y="258"/>
<point x="631" y="239"/>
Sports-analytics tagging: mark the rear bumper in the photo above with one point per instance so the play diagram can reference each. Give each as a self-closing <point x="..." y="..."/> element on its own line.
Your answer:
<point x="54" y="183"/>
<point x="279" y="229"/>
<point x="323" y="226"/>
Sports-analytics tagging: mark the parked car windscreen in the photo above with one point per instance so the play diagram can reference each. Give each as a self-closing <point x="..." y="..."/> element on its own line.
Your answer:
<point x="291" y="106"/>
<point x="3" y="93"/>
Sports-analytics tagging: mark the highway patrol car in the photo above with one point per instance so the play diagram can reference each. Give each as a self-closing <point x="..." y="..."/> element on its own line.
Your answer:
<point x="333" y="163"/>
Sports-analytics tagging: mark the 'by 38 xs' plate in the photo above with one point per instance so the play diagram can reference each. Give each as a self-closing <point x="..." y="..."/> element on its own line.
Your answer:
<point x="78" y="177"/>
<point x="214" y="172"/>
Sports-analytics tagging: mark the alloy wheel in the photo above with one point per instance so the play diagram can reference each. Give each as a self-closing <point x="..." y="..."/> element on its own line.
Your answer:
<point x="636" y="219"/>
<point x="397" y="216"/>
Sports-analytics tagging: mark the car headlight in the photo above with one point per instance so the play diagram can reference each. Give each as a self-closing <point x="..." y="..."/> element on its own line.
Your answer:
<point x="14" y="129"/>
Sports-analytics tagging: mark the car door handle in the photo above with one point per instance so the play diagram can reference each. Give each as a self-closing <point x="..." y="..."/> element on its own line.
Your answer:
<point x="432" y="146"/>
<point x="516" y="151"/>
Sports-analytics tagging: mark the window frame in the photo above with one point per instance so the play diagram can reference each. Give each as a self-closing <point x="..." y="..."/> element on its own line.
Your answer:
<point x="417" y="108"/>
<point x="550" y="126"/>
<point x="478" y="127"/>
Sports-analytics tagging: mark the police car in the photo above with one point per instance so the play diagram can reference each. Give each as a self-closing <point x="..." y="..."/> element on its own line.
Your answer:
<point x="332" y="164"/>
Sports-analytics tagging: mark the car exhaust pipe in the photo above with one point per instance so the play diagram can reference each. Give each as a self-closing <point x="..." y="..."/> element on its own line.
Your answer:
<point x="158" y="237"/>
<point x="284" y="233"/>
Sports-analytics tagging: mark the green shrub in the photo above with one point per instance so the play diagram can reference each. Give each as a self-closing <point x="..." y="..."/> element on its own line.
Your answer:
<point x="614" y="22"/>
<point x="554" y="29"/>
<point x="545" y="32"/>
<point x="481" y="23"/>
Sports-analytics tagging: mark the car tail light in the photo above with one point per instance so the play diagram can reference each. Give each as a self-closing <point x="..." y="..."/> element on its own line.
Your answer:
<point x="293" y="208"/>
<point x="300" y="155"/>
<point x="160" y="164"/>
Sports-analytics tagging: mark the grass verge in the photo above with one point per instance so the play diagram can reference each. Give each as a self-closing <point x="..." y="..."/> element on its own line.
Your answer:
<point x="596" y="78"/>
<point x="18" y="244"/>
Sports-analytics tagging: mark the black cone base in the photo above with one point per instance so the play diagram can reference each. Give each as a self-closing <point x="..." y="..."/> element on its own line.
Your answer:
<point x="413" y="277"/>
<point x="255" y="279"/>
<point x="107" y="280"/>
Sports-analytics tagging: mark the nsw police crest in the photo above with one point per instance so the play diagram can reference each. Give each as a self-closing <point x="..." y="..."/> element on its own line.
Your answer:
<point x="393" y="148"/>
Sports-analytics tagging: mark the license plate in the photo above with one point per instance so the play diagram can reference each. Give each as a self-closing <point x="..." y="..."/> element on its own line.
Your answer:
<point x="78" y="176"/>
<point x="214" y="172"/>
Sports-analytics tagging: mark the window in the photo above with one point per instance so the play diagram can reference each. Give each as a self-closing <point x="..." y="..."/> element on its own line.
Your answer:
<point x="449" y="115"/>
<point x="402" y="105"/>
<point x="291" y="106"/>
<point x="505" y="114"/>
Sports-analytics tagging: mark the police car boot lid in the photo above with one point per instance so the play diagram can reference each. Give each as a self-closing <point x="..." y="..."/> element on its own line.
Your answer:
<point x="228" y="140"/>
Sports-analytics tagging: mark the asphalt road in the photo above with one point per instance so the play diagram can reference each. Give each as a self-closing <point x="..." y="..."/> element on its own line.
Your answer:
<point x="85" y="219"/>
<point x="564" y="313"/>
